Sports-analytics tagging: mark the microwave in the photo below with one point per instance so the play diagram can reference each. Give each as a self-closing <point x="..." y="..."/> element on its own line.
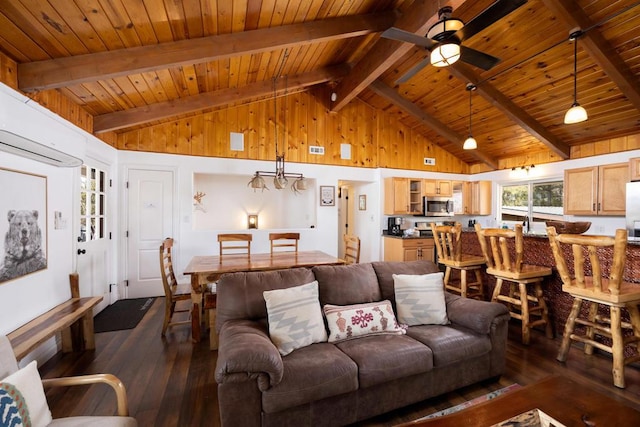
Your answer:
<point x="437" y="206"/>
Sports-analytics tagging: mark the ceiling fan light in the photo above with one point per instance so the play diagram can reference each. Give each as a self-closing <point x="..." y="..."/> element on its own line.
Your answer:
<point x="470" y="143"/>
<point x="575" y="114"/>
<point x="444" y="28"/>
<point x="445" y="54"/>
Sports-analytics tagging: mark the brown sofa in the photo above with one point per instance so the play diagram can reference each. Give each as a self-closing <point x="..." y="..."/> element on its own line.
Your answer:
<point x="327" y="384"/>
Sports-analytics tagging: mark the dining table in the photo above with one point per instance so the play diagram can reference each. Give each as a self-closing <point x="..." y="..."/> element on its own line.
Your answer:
<point x="205" y="269"/>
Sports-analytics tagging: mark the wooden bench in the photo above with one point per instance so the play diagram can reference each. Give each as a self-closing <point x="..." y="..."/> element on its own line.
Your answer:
<point x="73" y="319"/>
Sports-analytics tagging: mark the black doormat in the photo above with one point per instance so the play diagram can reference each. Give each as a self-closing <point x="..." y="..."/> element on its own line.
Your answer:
<point x="123" y="314"/>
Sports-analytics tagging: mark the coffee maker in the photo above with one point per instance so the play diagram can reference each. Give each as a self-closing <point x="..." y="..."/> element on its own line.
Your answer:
<point x="394" y="226"/>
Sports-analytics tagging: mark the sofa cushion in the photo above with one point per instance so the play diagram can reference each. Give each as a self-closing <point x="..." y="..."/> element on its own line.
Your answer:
<point x="295" y="317"/>
<point x="347" y="284"/>
<point x="450" y="344"/>
<point x="420" y="299"/>
<point x="356" y="320"/>
<point x="386" y="269"/>
<point x="240" y="294"/>
<point x="311" y="373"/>
<point x="28" y="383"/>
<point x="382" y="358"/>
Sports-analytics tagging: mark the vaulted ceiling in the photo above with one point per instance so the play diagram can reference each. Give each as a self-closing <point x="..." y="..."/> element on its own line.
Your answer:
<point x="133" y="63"/>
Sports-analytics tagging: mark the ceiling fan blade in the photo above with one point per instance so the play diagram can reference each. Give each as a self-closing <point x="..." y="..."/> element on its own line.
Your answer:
<point x="413" y="71"/>
<point x="405" y="36"/>
<point x="493" y="13"/>
<point x="477" y="58"/>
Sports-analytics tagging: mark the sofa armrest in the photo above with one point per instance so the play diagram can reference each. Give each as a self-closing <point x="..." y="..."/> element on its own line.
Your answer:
<point x="245" y="353"/>
<point x="473" y="314"/>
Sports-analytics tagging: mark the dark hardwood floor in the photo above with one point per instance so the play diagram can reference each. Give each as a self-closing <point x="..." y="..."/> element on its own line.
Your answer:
<point x="171" y="382"/>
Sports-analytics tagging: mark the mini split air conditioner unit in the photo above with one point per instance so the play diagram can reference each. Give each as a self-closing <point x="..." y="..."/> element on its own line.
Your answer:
<point x="29" y="130"/>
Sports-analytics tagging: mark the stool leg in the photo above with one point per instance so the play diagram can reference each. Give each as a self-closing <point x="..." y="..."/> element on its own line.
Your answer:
<point x="496" y="290"/>
<point x="617" y="348"/>
<point x="545" y="311"/>
<point x="463" y="283"/>
<point x="479" y="282"/>
<point x="590" y="332"/>
<point x="634" y="316"/>
<point x="524" y="310"/>
<point x="447" y="276"/>
<point x="568" y="330"/>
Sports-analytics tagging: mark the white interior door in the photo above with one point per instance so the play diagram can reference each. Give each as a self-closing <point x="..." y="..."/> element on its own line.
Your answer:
<point x="93" y="254"/>
<point x="150" y="220"/>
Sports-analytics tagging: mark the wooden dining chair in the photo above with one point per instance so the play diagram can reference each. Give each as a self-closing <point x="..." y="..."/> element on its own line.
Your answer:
<point x="448" y="242"/>
<point x="351" y="248"/>
<point x="524" y="296"/>
<point x="596" y="278"/>
<point x="173" y="291"/>
<point x="239" y="243"/>
<point x="284" y="242"/>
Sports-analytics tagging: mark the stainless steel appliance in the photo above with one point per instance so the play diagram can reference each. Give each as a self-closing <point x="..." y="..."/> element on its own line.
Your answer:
<point x="633" y="209"/>
<point x="394" y="226"/>
<point x="437" y="206"/>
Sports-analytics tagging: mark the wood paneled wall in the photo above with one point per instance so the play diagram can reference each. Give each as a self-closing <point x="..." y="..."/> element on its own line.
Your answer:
<point x="377" y="139"/>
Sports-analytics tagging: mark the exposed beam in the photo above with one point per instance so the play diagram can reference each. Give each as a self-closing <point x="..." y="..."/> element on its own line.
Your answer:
<point x="203" y="101"/>
<point x="60" y="72"/>
<point x="511" y="110"/>
<point x="598" y="48"/>
<point x="418" y="18"/>
<point x="408" y="107"/>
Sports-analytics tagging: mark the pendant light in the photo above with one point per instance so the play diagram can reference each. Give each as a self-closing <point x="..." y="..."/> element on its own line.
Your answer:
<point x="576" y="113"/>
<point x="470" y="143"/>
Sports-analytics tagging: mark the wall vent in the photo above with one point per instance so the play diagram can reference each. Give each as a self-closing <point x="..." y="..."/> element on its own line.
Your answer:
<point x="316" y="149"/>
<point x="430" y="161"/>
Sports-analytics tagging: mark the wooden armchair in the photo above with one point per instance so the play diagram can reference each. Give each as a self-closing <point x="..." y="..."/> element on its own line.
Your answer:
<point x="9" y="366"/>
<point x="589" y="283"/>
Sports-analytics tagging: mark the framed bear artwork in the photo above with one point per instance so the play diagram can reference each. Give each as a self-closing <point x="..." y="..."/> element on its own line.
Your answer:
<point x="23" y="224"/>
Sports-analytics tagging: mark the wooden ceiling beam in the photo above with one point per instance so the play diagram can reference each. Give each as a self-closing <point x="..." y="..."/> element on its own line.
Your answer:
<point x="418" y="18"/>
<point x="425" y="119"/>
<point x="511" y="110"/>
<point x="598" y="48"/>
<point x="61" y="72"/>
<point x="163" y="110"/>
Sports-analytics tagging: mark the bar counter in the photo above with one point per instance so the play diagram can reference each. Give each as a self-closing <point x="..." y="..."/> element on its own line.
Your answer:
<point x="537" y="251"/>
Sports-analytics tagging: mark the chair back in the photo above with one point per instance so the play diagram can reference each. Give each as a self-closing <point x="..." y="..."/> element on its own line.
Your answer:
<point x="284" y="241"/>
<point x="169" y="282"/>
<point x="448" y="241"/>
<point x="235" y="243"/>
<point x="351" y="248"/>
<point x="590" y="274"/>
<point x="494" y="243"/>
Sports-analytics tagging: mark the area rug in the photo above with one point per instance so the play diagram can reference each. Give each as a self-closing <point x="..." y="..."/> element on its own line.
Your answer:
<point x="123" y="314"/>
<point x="472" y="402"/>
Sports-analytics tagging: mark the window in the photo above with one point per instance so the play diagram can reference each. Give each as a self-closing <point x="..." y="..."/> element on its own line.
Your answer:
<point x="539" y="201"/>
<point x="92" y="204"/>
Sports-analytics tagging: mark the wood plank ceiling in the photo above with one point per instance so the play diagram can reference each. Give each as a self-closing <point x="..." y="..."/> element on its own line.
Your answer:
<point x="133" y="63"/>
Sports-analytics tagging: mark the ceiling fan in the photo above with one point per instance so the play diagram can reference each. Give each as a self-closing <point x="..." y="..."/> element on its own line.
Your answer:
<point x="444" y="39"/>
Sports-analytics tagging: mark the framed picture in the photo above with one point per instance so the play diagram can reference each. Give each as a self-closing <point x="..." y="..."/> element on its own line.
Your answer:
<point x="327" y="195"/>
<point x="23" y="224"/>
<point x="362" y="202"/>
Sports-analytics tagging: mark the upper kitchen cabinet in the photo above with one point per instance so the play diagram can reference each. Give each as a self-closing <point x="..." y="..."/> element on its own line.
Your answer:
<point x="597" y="190"/>
<point x="402" y="196"/>
<point x="437" y="187"/>
<point x="634" y="169"/>
<point x="471" y="198"/>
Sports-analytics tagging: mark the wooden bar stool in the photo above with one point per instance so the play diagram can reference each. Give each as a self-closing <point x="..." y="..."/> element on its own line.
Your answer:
<point x="524" y="298"/>
<point x="589" y="284"/>
<point x="448" y="243"/>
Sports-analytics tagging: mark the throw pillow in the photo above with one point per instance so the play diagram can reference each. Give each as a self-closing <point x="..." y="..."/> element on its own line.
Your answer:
<point x="420" y="299"/>
<point x="351" y="321"/>
<point x="295" y="317"/>
<point x="27" y="381"/>
<point x="13" y="408"/>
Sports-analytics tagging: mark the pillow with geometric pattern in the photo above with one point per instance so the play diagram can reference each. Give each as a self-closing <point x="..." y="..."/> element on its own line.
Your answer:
<point x="24" y="387"/>
<point x="295" y="317"/>
<point x="420" y="299"/>
<point x="357" y="320"/>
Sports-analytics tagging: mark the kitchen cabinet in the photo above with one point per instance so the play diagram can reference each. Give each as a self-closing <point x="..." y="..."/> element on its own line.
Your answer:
<point x="471" y="198"/>
<point x="597" y="190"/>
<point x="634" y="169"/>
<point x="402" y="196"/>
<point x="437" y="187"/>
<point x="411" y="249"/>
